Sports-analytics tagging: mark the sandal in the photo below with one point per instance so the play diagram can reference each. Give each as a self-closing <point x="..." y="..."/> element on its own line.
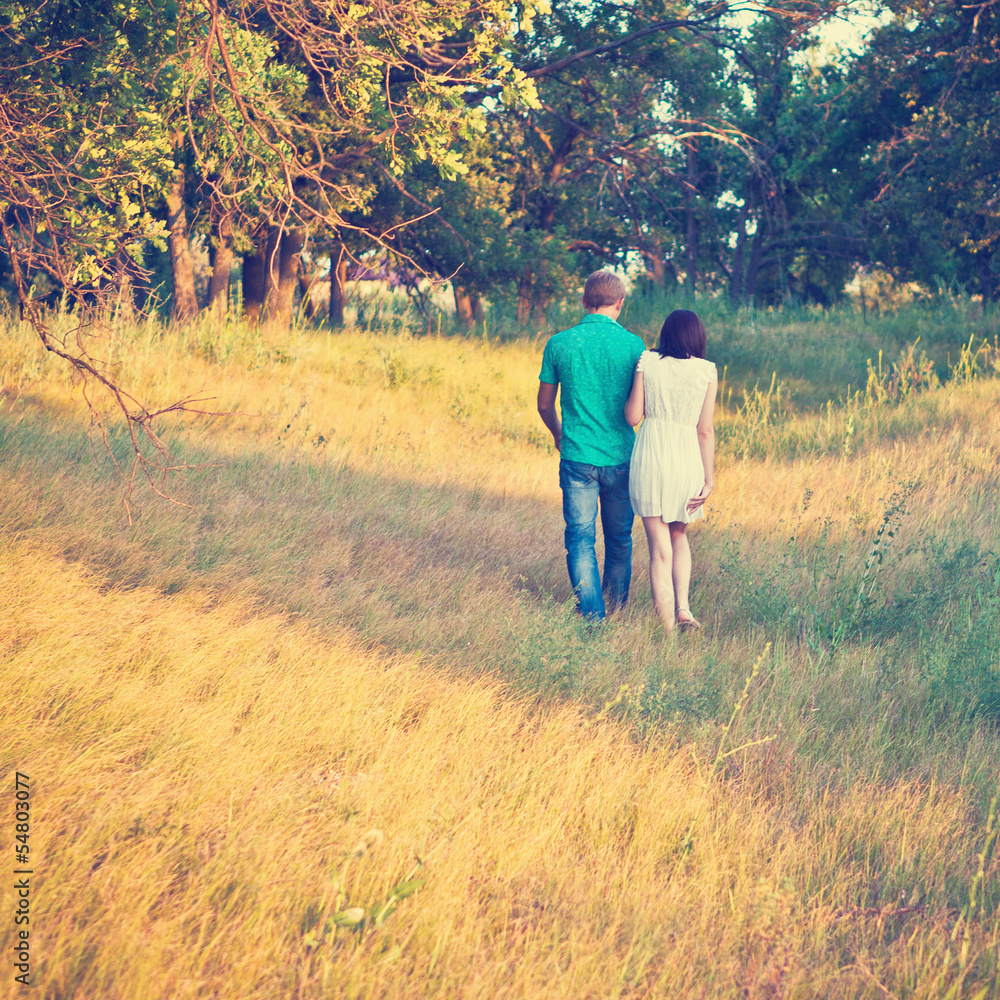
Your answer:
<point x="689" y="622"/>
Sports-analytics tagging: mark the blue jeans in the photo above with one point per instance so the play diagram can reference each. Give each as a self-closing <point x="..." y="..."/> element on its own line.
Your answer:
<point x="582" y="485"/>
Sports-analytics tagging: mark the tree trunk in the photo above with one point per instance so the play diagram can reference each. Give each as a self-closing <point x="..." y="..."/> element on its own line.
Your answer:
<point x="985" y="279"/>
<point x="222" y="263"/>
<point x="306" y="284"/>
<point x="478" y="313"/>
<point x="524" y="296"/>
<point x="756" y="254"/>
<point x="184" y="307"/>
<point x="463" y="306"/>
<point x="557" y="162"/>
<point x="290" y="253"/>
<point x="125" y="294"/>
<point x="548" y="217"/>
<point x="691" y="241"/>
<point x="736" y="274"/>
<point x="338" y="285"/>
<point x="272" y="273"/>
<point x="539" y="305"/>
<point x="658" y="272"/>
<point x="254" y="285"/>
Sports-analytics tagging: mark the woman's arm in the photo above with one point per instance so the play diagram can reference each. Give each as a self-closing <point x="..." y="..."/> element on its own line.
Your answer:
<point x="706" y="444"/>
<point x="635" y="405"/>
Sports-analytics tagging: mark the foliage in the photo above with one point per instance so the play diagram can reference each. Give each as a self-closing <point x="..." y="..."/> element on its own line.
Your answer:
<point x="85" y="153"/>
<point x="283" y="111"/>
<point x="723" y="148"/>
<point x="925" y="104"/>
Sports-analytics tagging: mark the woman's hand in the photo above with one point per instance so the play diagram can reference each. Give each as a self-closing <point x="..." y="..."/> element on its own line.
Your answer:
<point x="635" y="405"/>
<point x="698" y="501"/>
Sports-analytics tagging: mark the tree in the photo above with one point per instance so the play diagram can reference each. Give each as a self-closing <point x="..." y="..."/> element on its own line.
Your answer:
<point x="682" y="135"/>
<point x="277" y="112"/>
<point x="928" y="86"/>
<point x="386" y="94"/>
<point x="787" y="210"/>
<point x="600" y="154"/>
<point x="572" y="166"/>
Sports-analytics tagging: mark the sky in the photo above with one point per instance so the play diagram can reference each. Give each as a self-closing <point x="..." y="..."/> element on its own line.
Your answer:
<point x="848" y="32"/>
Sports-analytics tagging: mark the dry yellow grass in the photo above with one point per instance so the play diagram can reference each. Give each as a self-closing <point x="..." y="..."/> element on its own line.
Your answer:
<point x="218" y="705"/>
<point x="207" y="781"/>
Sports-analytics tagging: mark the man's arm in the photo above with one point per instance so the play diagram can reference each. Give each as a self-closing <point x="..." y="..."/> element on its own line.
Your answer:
<point x="547" y="410"/>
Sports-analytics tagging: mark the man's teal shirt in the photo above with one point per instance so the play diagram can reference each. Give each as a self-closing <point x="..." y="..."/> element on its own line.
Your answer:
<point x="593" y="363"/>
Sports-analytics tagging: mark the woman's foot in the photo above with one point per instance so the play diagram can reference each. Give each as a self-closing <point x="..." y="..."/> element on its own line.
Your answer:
<point x="687" y="620"/>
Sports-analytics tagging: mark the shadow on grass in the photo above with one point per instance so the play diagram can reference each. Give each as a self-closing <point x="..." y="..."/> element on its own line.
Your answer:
<point x="477" y="582"/>
<point x="472" y="579"/>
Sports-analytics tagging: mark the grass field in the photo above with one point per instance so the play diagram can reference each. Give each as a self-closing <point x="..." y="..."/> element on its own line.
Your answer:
<point x="330" y="728"/>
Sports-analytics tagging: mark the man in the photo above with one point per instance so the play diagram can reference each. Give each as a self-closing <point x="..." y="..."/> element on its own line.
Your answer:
<point x="594" y="363"/>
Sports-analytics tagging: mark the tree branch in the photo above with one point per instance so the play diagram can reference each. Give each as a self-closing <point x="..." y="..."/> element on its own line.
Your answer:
<point x="717" y="11"/>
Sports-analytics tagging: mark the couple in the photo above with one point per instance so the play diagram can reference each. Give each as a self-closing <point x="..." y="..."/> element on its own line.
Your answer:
<point x="610" y="383"/>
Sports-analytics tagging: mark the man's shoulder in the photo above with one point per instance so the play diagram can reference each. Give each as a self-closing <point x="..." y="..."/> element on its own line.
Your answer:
<point x="566" y="342"/>
<point x="625" y="341"/>
<point x="569" y="333"/>
<point x="585" y="330"/>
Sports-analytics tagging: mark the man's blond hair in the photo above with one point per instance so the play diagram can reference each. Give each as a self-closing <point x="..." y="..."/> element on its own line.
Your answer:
<point x="603" y="288"/>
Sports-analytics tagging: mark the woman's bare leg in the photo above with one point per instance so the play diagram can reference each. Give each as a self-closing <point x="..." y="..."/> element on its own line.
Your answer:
<point x="660" y="568"/>
<point x="681" y="572"/>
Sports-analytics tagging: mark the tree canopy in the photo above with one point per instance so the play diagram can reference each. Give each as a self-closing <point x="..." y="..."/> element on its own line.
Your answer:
<point x="723" y="146"/>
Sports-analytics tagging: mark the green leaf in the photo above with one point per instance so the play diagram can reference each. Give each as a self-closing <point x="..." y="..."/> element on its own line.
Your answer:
<point x="407" y="888"/>
<point x="350" y="917"/>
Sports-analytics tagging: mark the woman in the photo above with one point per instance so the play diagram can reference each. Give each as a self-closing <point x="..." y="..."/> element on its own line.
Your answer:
<point x="673" y="459"/>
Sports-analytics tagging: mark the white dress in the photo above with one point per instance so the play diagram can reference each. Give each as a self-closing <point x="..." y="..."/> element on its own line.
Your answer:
<point x="666" y="469"/>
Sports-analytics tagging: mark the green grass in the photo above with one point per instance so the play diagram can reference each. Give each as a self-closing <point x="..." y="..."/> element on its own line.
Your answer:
<point x="817" y="355"/>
